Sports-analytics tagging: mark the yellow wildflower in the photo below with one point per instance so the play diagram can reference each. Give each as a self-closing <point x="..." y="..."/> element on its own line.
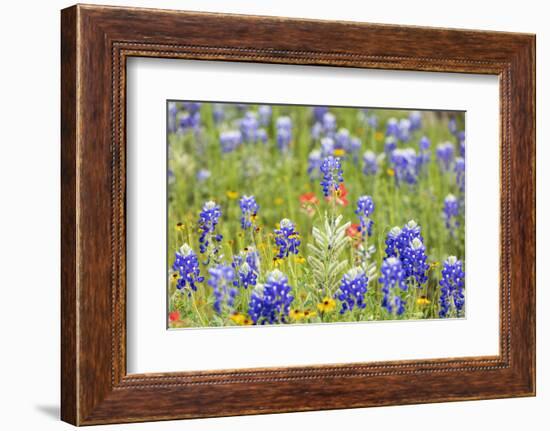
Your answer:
<point x="277" y="262"/>
<point x="232" y="195"/>
<point x="326" y="305"/>
<point x="296" y="314"/>
<point x="309" y="314"/>
<point x="175" y="276"/>
<point x="423" y="300"/>
<point x="391" y="172"/>
<point x="278" y="201"/>
<point x="237" y="318"/>
<point x="180" y="227"/>
<point x="299" y="259"/>
<point x="339" y="152"/>
<point x="378" y="136"/>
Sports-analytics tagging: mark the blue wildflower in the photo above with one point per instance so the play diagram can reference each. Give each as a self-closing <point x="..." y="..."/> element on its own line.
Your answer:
<point x="461" y="136"/>
<point x="264" y="112"/>
<point x="404" y="130"/>
<point x="203" y="175"/>
<point x="365" y="208"/>
<point x="370" y="163"/>
<point x="284" y="133"/>
<point x="316" y="130"/>
<point x="246" y="264"/>
<point x="249" y="127"/>
<point x="208" y="219"/>
<point x="392" y="280"/>
<point x="423" y="152"/>
<point x="249" y="209"/>
<point x="230" y="140"/>
<point x="172" y="116"/>
<point x="287" y="238"/>
<point x="451" y="300"/>
<point x="452" y="125"/>
<point x="186" y="265"/>
<point x="221" y="281"/>
<point x="460" y="170"/>
<point x="415" y="117"/>
<point x="445" y="155"/>
<point x="314" y="164"/>
<point x="404" y="162"/>
<point x="329" y="123"/>
<point x="450" y="213"/>
<point x="353" y="289"/>
<point x="331" y="169"/>
<point x="218" y="112"/>
<point x="389" y="146"/>
<point x="392" y="127"/>
<point x="327" y="146"/>
<point x="399" y="239"/>
<point x="270" y="302"/>
<point x="372" y="121"/>
<point x="342" y="139"/>
<point x="414" y="263"/>
<point x="319" y="112"/>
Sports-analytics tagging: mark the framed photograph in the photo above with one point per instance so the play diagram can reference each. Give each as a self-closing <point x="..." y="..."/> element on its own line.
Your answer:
<point x="263" y="215"/>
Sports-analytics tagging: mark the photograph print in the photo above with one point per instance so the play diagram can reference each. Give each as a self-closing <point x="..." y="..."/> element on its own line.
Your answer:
<point x="287" y="214"/>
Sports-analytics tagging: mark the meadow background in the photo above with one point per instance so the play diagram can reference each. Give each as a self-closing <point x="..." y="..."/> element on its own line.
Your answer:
<point x="202" y="168"/>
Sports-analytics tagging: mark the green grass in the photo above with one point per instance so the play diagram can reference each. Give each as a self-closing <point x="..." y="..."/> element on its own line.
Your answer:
<point x="277" y="187"/>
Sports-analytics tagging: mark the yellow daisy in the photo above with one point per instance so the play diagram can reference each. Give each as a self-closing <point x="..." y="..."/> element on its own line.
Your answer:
<point x="326" y="305"/>
<point x="296" y="314"/>
<point x="339" y="152"/>
<point x="391" y="172"/>
<point x="180" y="227"/>
<point x="231" y="194"/>
<point x="423" y="300"/>
<point x="238" y="318"/>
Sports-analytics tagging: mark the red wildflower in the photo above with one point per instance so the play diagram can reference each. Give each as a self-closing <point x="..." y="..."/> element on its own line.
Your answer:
<point x="308" y="202"/>
<point x="174" y="316"/>
<point x="354" y="232"/>
<point x="340" y="195"/>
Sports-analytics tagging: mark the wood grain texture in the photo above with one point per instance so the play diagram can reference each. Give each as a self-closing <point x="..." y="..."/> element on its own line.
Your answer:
<point x="96" y="41"/>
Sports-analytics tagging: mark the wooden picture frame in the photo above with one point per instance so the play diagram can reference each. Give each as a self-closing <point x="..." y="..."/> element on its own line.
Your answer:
<point x="96" y="41"/>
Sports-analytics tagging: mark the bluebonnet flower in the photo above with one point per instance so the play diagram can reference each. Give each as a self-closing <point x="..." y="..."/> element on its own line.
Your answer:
<point x="246" y="264"/>
<point x="329" y="123"/>
<point x="452" y="288"/>
<point x="365" y="208"/>
<point x="192" y="107"/>
<point x="413" y="260"/>
<point x="423" y="153"/>
<point x="230" y="140"/>
<point x="249" y="209"/>
<point x="445" y="154"/>
<point x="404" y="130"/>
<point x="392" y="280"/>
<point x="284" y="133"/>
<point x="208" y="219"/>
<point x="186" y="265"/>
<point x="249" y="127"/>
<point x="319" y="112"/>
<point x="203" y="175"/>
<point x="450" y="213"/>
<point x="264" y="112"/>
<point x="261" y="136"/>
<point x="389" y="146"/>
<point x="314" y="164"/>
<point x="221" y="281"/>
<point x="392" y="127"/>
<point x="331" y="169"/>
<point x="341" y="139"/>
<point x="188" y="120"/>
<point x="218" y="112"/>
<point x="354" y="146"/>
<point x="270" y="302"/>
<point x="353" y="289"/>
<point x="172" y="116"/>
<point x="404" y="164"/>
<point x="327" y="146"/>
<point x="287" y="238"/>
<point x="415" y="117"/>
<point x="372" y="121"/>
<point x="452" y="126"/>
<point x="460" y="170"/>
<point x="370" y="163"/>
<point x="316" y="130"/>
<point x="398" y="239"/>
<point x="250" y="256"/>
<point x="461" y="136"/>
